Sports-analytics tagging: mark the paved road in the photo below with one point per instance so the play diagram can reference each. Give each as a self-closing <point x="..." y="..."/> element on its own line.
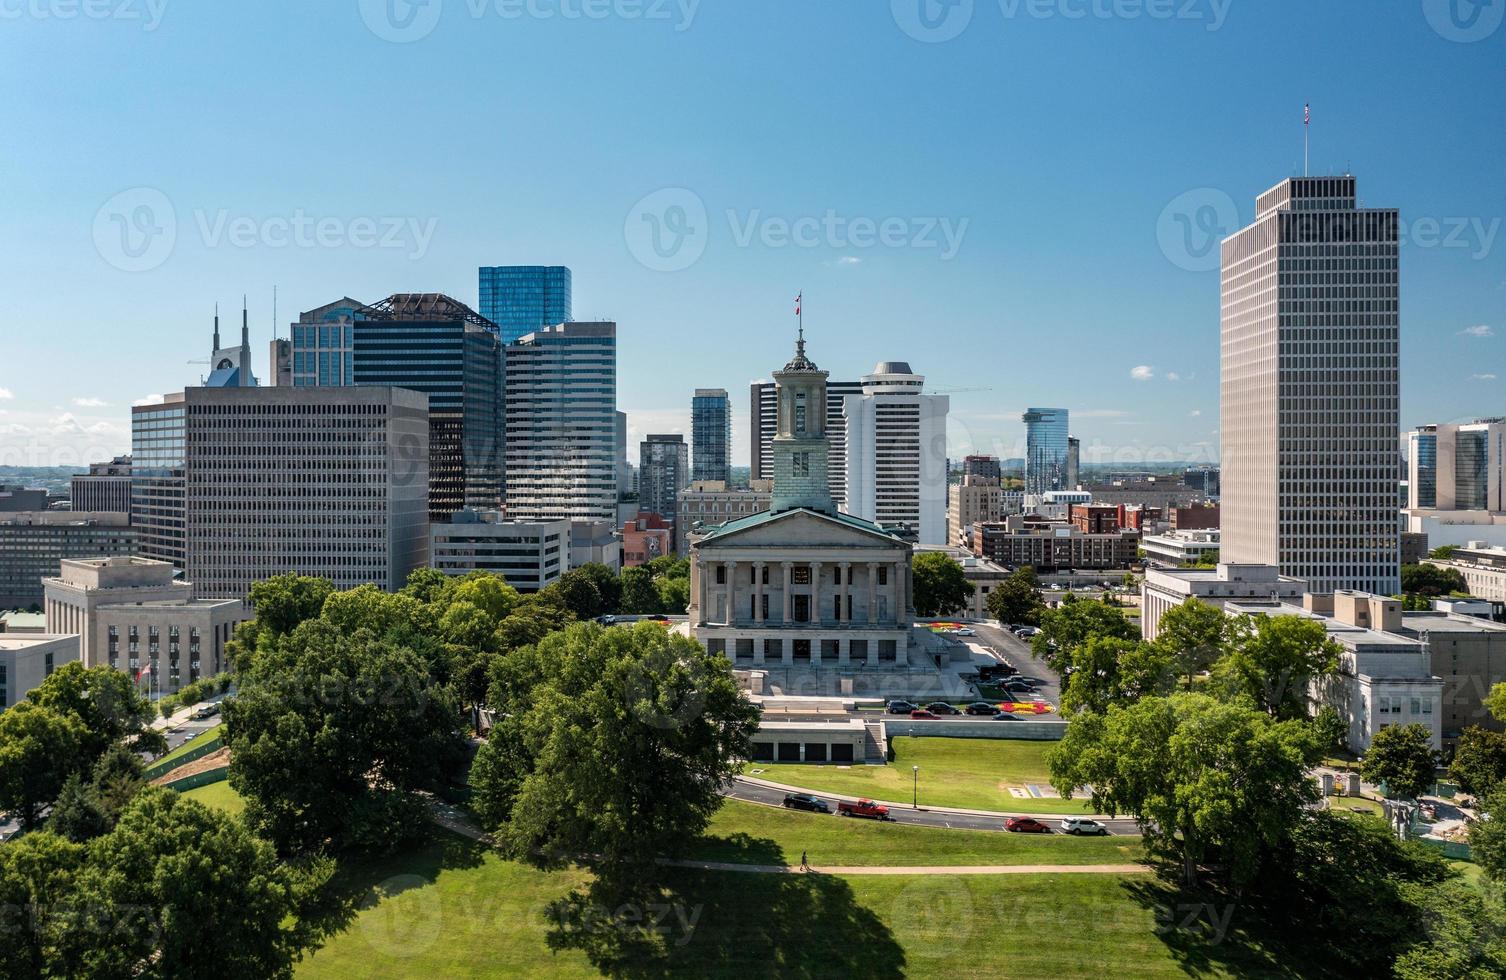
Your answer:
<point x="754" y="793"/>
<point x="1017" y="652"/>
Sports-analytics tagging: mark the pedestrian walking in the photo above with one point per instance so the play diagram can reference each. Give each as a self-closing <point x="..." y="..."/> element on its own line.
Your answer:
<point x="803" y="865"/>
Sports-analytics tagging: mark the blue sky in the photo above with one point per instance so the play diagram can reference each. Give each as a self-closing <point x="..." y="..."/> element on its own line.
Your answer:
<point x="1019" y="208"/>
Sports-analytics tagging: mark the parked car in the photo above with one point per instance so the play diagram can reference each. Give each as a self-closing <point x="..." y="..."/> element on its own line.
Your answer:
<point x="980" y="708"/>
<point x="863" y="808"/>
<point x="965" y="631"/>
<point x="655" y="618"/>
<point x="942" y="708"/>
<point x="1025" y="825"/>
<point x="1083" y="825"/>
<point x="921" y="714"/>
<point x="1006" y="716"/>
<point x="208" y="711"/>
<point x="804" y="801"/>
<point x="1026" y="631"/>
<point x="898" y="707"/>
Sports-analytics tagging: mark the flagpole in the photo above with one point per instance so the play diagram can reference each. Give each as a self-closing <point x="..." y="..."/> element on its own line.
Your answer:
<point x="1307" y="128"/>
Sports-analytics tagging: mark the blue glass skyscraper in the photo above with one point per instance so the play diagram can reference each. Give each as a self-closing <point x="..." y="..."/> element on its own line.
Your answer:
<point x="523" y="298"/>
<point x="1045" y="449"/>
<point x="711" y="434"/>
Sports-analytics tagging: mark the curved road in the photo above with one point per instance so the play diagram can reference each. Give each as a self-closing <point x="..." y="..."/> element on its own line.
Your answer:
<point x="741" y="789"/>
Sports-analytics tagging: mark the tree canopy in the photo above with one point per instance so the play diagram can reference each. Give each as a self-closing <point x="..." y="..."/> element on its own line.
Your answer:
<point x="1194" y="635"/>
<point x="1017" y="599"/>
<point x="1402" y="757"/>
<point x="1075" y="623"/>
<point x="1273" y="660"/>
<point x="1431" y="581"/>
<point x="941" y="586"/>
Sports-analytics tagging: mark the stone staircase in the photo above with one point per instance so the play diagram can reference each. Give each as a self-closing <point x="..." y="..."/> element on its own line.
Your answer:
<point x="875" y="744"/>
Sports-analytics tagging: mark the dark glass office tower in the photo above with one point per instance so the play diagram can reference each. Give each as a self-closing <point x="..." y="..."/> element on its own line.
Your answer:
<point x="711" y="434"/>
<point x="431" y="343"/>
<point x="521" y="299"/>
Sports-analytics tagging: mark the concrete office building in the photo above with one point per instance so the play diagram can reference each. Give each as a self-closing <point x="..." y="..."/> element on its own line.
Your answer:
<point x="1074" y="462"/>
<point x="1050" y="546"/>
<point x="1483" y="567"/>
<point x="711" y="434"/>
<point x="625" y="479"/>
<point x="133" y="614"/>
<point x="33" y="542"/>
<point x="322" y="347"/>
<point x="1177" y="548"/>
<point x="1458" y="467"/>
<point x="528" y="554"/>
<point x="763" y="416"/>
<point x="1164" y="588"/>
<point x="234" y="485"/>
<point x="1046" y="445"/>
<point x="595" y="542"/>
<point x="976" y="500"/>
<point x="561" y="423"/>
<point x="896" y="472"/>
<point x="522" y="299"/>
<point x="26" y="661"/>
<point x="280" y="357"/>
<point x="709" y="502"/>
<point x="18" y="499"/>
<point x="985" y="467"/>
<point x="1310" y="388"/>
<point x="105" y="489"/>
<point x="663" y="469"/>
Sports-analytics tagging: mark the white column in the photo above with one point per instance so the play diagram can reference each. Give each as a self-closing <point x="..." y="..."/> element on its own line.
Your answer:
<point x="844" y="652"/>
<point x="816" y="611"/>
<point x="731" y="591"/>
<point x="785" y="601"/>
<point x="758" y="568"/>
<point x="787" y="650"/>
<point x="872" y="594"/>
<point x="844" y="594"/>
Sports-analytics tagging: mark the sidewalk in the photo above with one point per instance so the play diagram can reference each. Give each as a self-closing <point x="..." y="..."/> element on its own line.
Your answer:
<point x="921" y="869"/>
<point x="897" y="805"/>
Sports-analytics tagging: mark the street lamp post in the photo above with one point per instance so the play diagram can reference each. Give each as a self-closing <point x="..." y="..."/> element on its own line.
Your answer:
<point x="915" y="787"/>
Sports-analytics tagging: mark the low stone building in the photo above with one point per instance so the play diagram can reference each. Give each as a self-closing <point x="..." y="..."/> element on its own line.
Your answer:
<point x="27" y="659"/>
<point x="711" y="502"/>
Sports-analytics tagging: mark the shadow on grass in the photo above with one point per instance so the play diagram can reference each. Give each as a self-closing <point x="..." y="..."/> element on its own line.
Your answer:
<point x="726" y="924"/>
<point x="1212" y="933"/>
<point x="362" y="881"/>
<point x="738" y="848"/>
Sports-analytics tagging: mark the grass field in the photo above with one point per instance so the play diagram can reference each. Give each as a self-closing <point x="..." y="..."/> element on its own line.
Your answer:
<point x="218" y="795"/>
<point x="187" y="746"/>
<point x="973" y="773"/>
<point x="452" y="909"/>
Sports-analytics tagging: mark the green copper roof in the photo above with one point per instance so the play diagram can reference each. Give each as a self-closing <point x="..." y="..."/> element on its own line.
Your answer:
<point x="754" y="520"/>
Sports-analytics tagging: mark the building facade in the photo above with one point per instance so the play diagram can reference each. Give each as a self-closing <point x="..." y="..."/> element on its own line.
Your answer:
<point x="711" y="434"/>
<point x="105" y="489"/>
<point x="764" y="419"/>
<point x="663" y="469"/>
<point x="15" y="499"/>
<point x="1178" y="548"/>
<point x="646" y="537"/>
<point x="984" y="467"/>
<point x="1051" y="546"/>
<point x="1310" y="387"/>
<point x="1458" y="467"/>
<point x="234" y="485"/>
<point x="1483" y="567"/>
<point x="595" y="543"/>
<point x="976" y="500"/>
<point x="1046" y="444"/>
<point x="26" y="661"/>
<point x="133" y="614"/>
<point x="896" y="470"/>
<point x="1165" y="588"/>
<point x="528" y="555"/>
<point x="322" y="347"/>
<point x="522" y="299"/>
<point x="33" y="542"/>
<point x="561" y="423"/>
<point x="709" y="502"/>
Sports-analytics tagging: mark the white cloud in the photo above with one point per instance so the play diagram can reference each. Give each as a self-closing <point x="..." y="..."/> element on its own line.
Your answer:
<point x="849" y="260"/>
<point x="1173" y="376"/>
<point x="90" y="402"/>
<point x="1142" y="372"/>
<point x="1094" y="413"/>
<point x="1482" y="377"/>
<point x="1196" y="412"/>
<point x="148" y="400"/>
<point x="7" y="393"/>
<point x="1478" y="330"/>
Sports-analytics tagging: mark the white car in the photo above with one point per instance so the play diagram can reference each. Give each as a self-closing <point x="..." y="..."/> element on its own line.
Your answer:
<point x="1082" y="825"/>
<point x="965" y="631"/>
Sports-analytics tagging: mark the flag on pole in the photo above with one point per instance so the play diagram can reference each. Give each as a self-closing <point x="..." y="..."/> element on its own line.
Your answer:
<point x="1307" y="114"/>
<point x="798" y="298"/>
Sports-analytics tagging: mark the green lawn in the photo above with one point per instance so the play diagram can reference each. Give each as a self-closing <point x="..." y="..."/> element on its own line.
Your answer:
<point x="187" y="746"/>
<point x="972" y="773"/>
<point x="452" y="909"/>
<point x="218" y="795"/>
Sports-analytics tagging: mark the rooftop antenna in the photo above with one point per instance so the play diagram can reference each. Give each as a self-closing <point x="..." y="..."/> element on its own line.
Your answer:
<point x="216" y="326"/>
<point x="245" y="324"/>
<point x="1307" y="125"/>
<point x="800" y="319"/>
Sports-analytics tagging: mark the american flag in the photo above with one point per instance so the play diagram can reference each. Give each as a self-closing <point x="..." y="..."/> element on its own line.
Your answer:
<point x="797" y="302"/>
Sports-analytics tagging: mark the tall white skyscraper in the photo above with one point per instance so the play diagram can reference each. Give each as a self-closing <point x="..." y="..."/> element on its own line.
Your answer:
<point x="896" y="452"/>
<point x="1310" y="387"/>
<point x="561" y="424"/>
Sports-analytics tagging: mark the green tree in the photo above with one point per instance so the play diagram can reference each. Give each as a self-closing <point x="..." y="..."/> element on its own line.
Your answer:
<point x="618" y="748"/>
<point x="1495" y="701"/>
<point x="429" y="586"/>
<point x="1443" y="551"/>
<point x="1487" y="837"/>
<point x="1204" y="779"/>
<point x="1431" y="581"/>
<point x="331" y="736"/>
<point x="1016" y="599"/>
<point x="115" y="781"/>
<point x="106" y="704"/>
<point x="284" y="601"/>
<point x="1464" y="932"/>
<point x="1479" y="762"/>
<point x="1107" y="670"/>
<point x="75" y="815"/>
<point x="607" y="586"/>
<point x="1193" y="635"/>
<point x="1273" y="661"/>
<point x="535" y="617"/>
<point x="489" y="593"/>
<point x="1402" y="757"/>
<point x="941" y="586"/>
<point x="1065" y="629"/>
<point x="37" y="874"/>
<point x="674" y="594"/>
<point x="395" y="616"/>
<point x="199" y="896"/>
<point x="670" y="566"/>
<point x="581" y="595"/>
<point x="639" y="596"/>
<point x="39" y="749"/>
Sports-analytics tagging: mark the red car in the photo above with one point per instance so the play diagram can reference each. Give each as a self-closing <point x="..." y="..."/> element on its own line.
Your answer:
<point x="1025" y="825"/>
<point x="922" y="713"/>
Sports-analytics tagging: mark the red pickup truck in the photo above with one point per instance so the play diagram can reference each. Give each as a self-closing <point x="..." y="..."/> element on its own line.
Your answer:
<point x="863" y="808"/>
